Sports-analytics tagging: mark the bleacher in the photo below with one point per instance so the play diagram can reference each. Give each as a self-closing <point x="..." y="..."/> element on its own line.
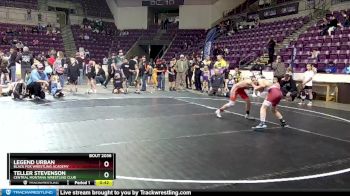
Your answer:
<point x="46" y="42"/>
<point x="99" y="44"/>
<point x="334" y="48"/>
<point x="193" y="38"/>
<point x="252" y="42"/>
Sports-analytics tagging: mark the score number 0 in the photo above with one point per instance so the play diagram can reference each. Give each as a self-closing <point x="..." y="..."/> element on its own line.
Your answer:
<point x="106" y="164"/>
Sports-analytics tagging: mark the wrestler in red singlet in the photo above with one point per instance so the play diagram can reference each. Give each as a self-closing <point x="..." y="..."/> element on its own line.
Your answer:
<point x="273" y="98"/>
<point x="238" y="90"/>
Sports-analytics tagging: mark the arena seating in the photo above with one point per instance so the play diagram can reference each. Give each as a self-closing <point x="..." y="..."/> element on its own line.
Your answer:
<point x="193" y="38"/>
<point x="252" y="42"/>
<point x="28" y="4"/>
<point x="334" y="48"/>
<point x="99" y="45"/>
<point x="46" y="42"/>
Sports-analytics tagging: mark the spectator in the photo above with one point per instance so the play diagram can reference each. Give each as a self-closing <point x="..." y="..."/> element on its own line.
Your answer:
<point x="290" y="71"/>
<point x="120" y="58"/>
<point x="333" y="24"/>
<point x="100" y="75"/>
<point x="226" y="52"/>
<point x="346" y="70"/>
<point x="271" y="50"/>
<point x="12" y="64"/>
<point x="198" y="67"/>
<point x="104" y="63"/>
<point x="118" y="78"/>
<point x="4" y="40"/>
<point x="59" y="67"/>
<point x="9" y="32"/>
<point x="166" y="22"/>
<point x="132" y="69"/>
<point x="331" y="68"/>
<point x="41" y="59"/>
<point x="189" y="75"/>
<point x="56" y="88"/>
<point x="40" y="27"/>
<point x="48" y="31"/>
<point x="80" y="62"/>
<point x="86" y="37"/>
<point x="36" y="81"/>
<point x="307" y="85"/>
<point x="161" y="69"/>
<point x="14" y="42"/>
<point x="4" y="72"/>
<point x="91" y="75"/>
<point x="35" y="30"/>
<point x="181" y="68"/>
<point x="185" y="46"/>
<point x="138" y="79"/>
<point x="126" y="72"/>
<point x="51" y="60"/>
<point x="29" y="14"/>
<point x="85" y="23"/>
<point x="279" y="69"/>
<point x="144" y="72"/>
<point x="54" y="31"/>
<point x="110" y="61"/>
<point x="220" y="64"/>
<point x="237" y="75"/>
<point x="26" y="60"/>
<point x="81" y="36"/>
<point x="314" y="54"/>
<point x="324" y="26"/>
<point x="48" y="69"/>
<point x="346" y="22"/>
<point x="314" y="69"/>
<point x="19" y="46"/>
<point x="205" y="78"/>
<point x="229" y="85"/>
<point x="35" y="42"/>
<point x="216" y="50"/>
<point x="289" y="87"/>
<point x="172" y="77"/>
<point x="216" y="83"/>
<point x="82" y="53"/>
<point x="207" y="62"/>
<point x="87" y="53"/>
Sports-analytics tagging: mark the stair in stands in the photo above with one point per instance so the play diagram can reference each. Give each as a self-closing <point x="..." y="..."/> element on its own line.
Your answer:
<point x="317" y="15"/>
<point x="68" y="40"/>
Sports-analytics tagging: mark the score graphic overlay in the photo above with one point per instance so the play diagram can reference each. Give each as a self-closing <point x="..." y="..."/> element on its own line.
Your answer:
<point x="61" y="169"/>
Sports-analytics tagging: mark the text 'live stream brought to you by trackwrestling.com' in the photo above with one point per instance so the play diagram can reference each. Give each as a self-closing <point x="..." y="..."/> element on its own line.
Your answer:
<point x="95" y="192"/>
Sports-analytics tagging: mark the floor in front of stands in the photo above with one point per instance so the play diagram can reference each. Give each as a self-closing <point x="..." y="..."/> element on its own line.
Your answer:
<point x="175" y="135"/>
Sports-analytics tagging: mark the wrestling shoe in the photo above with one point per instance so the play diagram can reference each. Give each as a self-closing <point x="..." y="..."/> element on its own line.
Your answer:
<point x="309" y="104"/>
<point x="248" y="117"/>
<point x="218" y="114"/>
<point x="284" y="123"/>
<point x="260" y="126"/>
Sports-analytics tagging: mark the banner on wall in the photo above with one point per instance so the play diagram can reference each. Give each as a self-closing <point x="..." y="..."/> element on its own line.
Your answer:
<point x="274" y="12"/>
<point x="209" y="41"/>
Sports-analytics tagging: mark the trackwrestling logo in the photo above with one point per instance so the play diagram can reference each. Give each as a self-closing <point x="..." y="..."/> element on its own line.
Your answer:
<point x="29" y="192"/>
